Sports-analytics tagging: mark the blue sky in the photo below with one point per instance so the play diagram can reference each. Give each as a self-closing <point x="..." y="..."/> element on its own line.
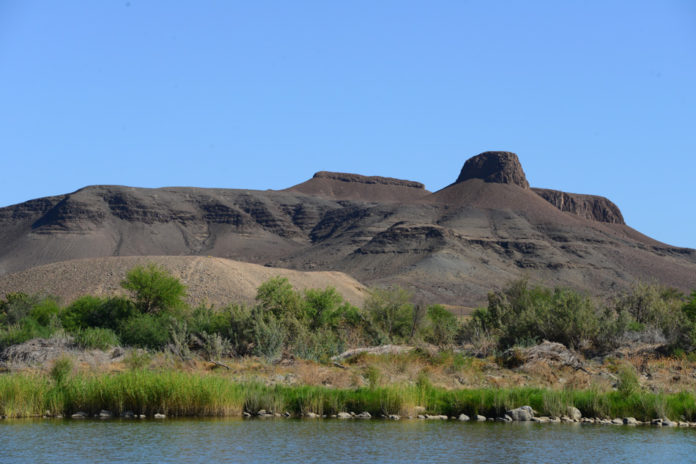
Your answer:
<point x="594" y="97"/>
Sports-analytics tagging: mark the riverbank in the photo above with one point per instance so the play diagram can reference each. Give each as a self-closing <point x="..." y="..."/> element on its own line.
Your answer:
<point x="183" y="394"/>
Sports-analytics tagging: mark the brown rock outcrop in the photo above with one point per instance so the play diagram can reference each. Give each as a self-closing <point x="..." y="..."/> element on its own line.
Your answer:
<point x="347" y="177"/>
<point x="501" y="167"/>
<point x="591" y="207"/>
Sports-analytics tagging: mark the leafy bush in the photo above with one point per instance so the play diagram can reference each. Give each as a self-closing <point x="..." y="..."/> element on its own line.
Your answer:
<point x="627" y="383"/>
<point x="25" y="330"/>
<point x="277" y="297"/>
<point x="61" y="370"/>
<point x="96" y="338"/>
<point x="391" y="312"/>
<point x="318" y="345"/>
<point x="269" y="335"/>
<point x="89" y="311"/>
<point x="321" y="307"/>
<point x="443" y="325"/>
<point x="137" y="359"/>
<point x="522" y="315"/>
<point x="45" y="312"/>
<point x="154" y="289"/>
<point x="213" y="346"/>
<point x="16" y="307"/>
<point x="146" y="331"/>
<point x="78" y="314"/>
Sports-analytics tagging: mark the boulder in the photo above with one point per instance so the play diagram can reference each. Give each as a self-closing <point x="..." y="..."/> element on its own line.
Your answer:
<point x="80" y="415"/>
<point x="104" y="414"/>
<point x="160" y="416"/>
<point x="630" y="421"/>
<point x="394" y="417"/>
<point x="463" y="417"/>
<point x="311" y="415"/>
<point x="480" y="418"/>
<point x="617" y="421"/>
<point x="344" y="415"/>
<point x="523" y="413"/>
<point x="363" y="415"/>
<point x="552" y="353"/>
<point x="574" y="413"/>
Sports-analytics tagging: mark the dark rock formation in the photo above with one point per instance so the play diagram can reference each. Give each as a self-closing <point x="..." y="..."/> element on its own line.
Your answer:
<point x="591" y="207"/>
<point x="354" y="187"/>
<point x="347" y="177"/>
<point x="501" y="167"/>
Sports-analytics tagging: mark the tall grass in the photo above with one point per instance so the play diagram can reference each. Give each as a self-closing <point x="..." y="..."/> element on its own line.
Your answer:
<point x="177" y="393"/>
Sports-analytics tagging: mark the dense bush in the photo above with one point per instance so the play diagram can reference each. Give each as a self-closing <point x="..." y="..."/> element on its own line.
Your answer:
<point x="96" y="338"/>
<point x="442" y="326"/>
<point x="146" y="331"/>
<point x="90" y="311"/>
<point x="392" y="313"/>
<point x="154" y="289"/>
<point x="318" y="323"/>
<point x="520" y="314"/>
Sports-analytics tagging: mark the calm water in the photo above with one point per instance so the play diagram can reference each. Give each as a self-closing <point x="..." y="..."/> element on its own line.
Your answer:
<point x="309" y="441"/>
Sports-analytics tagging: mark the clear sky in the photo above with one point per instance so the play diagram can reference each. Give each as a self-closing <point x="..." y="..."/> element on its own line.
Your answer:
<point x="594" y="96"/>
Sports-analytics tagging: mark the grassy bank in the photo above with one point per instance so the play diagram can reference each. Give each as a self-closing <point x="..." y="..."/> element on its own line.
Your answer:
<point x="177" y="393"/>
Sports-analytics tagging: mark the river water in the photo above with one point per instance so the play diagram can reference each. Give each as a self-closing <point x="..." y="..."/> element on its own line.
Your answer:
<point x="310" y="441"/>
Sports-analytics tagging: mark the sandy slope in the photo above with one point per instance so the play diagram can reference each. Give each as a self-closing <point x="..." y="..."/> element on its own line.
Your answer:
<point x="214" y="280"/>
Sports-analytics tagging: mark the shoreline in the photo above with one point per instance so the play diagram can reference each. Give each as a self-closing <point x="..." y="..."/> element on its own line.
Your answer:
<point x="145" y="394"/>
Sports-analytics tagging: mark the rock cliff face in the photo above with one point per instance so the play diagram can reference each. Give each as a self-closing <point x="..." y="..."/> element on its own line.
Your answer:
<point x="344" y="186"/>
<point x="359" y="179"/>
<point x="452" y="246"/>
<point x="500" y="167"/>
<point x="590" y="207"/>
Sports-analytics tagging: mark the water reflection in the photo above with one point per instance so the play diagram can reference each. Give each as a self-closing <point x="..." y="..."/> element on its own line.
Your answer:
<point x="310" y="441"/>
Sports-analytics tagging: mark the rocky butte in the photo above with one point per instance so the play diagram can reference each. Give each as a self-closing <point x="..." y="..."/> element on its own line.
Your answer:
<point x="451" y="246"/>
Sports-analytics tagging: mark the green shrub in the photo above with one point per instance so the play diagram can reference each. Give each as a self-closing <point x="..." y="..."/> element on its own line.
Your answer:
<point x="318" y="345"/>
<point x="277" y="297"/>
<point x="154" y="289"/>
<point x="61" y="370"/>
<point x="77" y="315"/>
<point x="90" y="311"/>
<point x="96" y="338"/>
<point x="523" y="315"/>
<point x="45" y="312"/>
<point x="391" y="312"/>
<point x="16" y="307"/>
<point x="443" y="325"/>
<point x="689" y="309"/>
<point x="146" y="331"/>
<point x="321" y="307"/>
<point x="269" y="337"/>
<point x="627" y="383"/>
<point x="25" y="330"/>
<point x="213" y="346"/>
<point x="137" y="359"/>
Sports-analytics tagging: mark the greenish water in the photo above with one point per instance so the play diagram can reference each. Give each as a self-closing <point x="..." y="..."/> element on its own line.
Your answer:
<point x="310" y="441"/>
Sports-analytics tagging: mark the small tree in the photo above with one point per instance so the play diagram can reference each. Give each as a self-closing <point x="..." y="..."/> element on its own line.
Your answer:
<point x="153" y="288"/>
<point x="391" y="311"/>
<point x="443" y="325"/>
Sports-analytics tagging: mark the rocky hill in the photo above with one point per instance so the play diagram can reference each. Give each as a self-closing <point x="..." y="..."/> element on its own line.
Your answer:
<point x="451" y="246"/>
